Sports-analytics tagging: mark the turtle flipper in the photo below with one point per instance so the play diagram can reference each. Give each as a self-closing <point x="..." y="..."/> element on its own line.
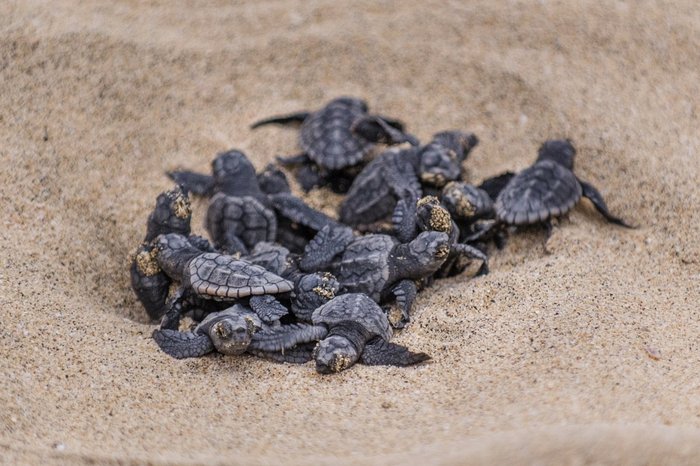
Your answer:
<point x="405" y="292"/>
<point x="379" y="352"/>
<point x="198" y="184"/>
<point x="494" y="185"/>
<point x="286" y="336"/>
<point x="231" y="244"/>
<point x="175" y="306"/>
<point x="404" y="220"/>
<point x="267" y="308"/>
<point x="590" y="192"/>
<point x="466" y="251"/>
<point x="290" y="119"/>
<point x="182" y="345"/>
<point x="376" y="129"/>
<point x="298" y="355"/>
<point x="296" y="210"/>
<point x="328" y="243"/>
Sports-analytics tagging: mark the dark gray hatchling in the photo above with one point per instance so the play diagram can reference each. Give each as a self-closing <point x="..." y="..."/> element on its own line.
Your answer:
<point x="216" y="277"/>
<point x="357" y="330"/>
<point x="398" y="177"/>
<point x="311" y="290"/>
<point x="247" y="208"/>
<point x="337" y="138"/>
<point x="234" y="331"/>
<point x="432" y="216"/>
<point x="151" y="285"/>
<point x="378" y="265"/>
<point x="548" y="189"/>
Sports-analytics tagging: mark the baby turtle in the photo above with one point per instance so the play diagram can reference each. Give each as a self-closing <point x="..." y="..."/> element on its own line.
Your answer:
<point x="357" y="329"/>
<point x="233" y="331"/>
<point x="171" y="214"/>
<point x="431" y="216"/>
<point x="218" y="277"/>
<point x="548" y="189"/>
<point x="310" y="290"/>
<point x="236" y="222"/>
<point x="378" y="265"/>
<point x="401" y="174"/>
<point x="335" y="138"/>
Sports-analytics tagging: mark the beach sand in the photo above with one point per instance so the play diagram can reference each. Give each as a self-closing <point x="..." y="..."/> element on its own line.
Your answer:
<point x="585" y="351"/>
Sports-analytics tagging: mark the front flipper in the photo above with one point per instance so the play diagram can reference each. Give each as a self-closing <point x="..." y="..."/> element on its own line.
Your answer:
<point x="376" y="129"/>
<point x="267" y="308"/>
<point x="298" y="355"/>
<point x="405" y="292"/>
<point x="290" y="119"/>
<point x="286" y="336"/>
<point x="404" y="220"/>
<point x="328" y="243"/>
<point x="198" y="184"/>
<point x="379" y="352"/>
<point x="590" y="192"/>
<point x="182" y="345"/>
<point x="467" y="252"/>
<point x="296" y="210"/>
<point x="175" y="306"/>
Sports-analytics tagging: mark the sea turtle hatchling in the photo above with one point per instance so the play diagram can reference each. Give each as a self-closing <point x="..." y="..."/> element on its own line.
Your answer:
<point x="358" y="329"/>
<point x="546" y="190"/>
<point x="336" y="138"/>
<point x="171" y="214"/>
<point x="247" y="208"/>
<point x="378" y="265"/>
<point x="401" y="175"/>
<point x="217" y="277"/>
<point x="233" y="331"/>
<point x="311" y="290"/>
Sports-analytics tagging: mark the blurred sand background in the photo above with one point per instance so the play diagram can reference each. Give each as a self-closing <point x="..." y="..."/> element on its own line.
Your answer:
<point x="586" y="353"/>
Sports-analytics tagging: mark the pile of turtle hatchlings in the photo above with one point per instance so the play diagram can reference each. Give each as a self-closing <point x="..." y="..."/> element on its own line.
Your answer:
<point x="281" y="280"/>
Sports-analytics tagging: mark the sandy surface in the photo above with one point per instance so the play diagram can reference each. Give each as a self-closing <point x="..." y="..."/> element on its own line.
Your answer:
<point x="587" y="352"/>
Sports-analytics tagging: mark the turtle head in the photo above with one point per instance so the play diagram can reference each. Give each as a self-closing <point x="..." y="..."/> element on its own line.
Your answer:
<point x="232" y="335"/>
<point x="273" y="180"/>
<point x="432" y="216"/>
<point x="438" y="165"/>
<point x="334" y="354"/>
<point x="312" y="291"/>
<point x="231" y="165"/>
<point x="561" y="151"/>
<point x="172" y="214"/>
<point x="465" y="201"/>
<point x="458" y="141"/>
<point x="428" y="252"/>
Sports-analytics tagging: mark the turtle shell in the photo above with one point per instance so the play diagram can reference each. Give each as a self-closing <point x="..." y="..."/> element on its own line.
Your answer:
<point x="372" y="195"/>
<point x="354" y="307"/>
<point x="364" y="266"/>
<point x="221" y="277"/>
<point x="326" y="136"/>
<point x="244" y="216"/>
<point x="270" y="256"/>
<point x="538" y="193"/>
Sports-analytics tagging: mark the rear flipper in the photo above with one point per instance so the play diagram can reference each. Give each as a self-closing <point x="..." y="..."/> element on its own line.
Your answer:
<point x="597" y="199"/>
<point x="290" y="119"/>
<point x="328" y="243"/>
<point x="379" y="352"/>
<point x="467" y="252"/>
<point x="198" y="184"/>
<point x="267" y="308"/>
<point x="286" y="337"/>
<point x="405" y="292"/>
<point x="182" y="345"/>
<point x="375" y="129"/>
<point x="298" y="355"/>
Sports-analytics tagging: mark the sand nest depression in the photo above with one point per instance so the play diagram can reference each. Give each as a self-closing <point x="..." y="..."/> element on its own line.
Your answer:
<point x="587" y="352"/>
